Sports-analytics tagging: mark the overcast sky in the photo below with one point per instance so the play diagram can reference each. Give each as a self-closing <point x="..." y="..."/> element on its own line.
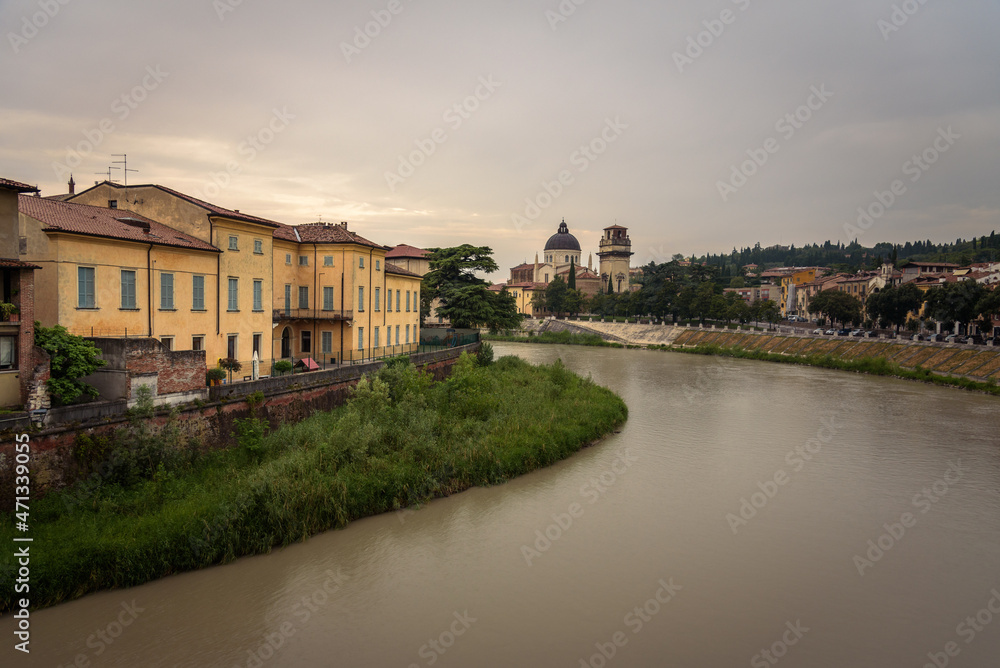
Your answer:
<point x="667" y="99"/>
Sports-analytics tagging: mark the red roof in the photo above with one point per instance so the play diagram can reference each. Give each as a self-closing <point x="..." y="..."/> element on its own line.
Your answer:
<point x="98" y="221"/>
<point x="393" y="269"/>
<point x="321" y="233"/>
<point x="616" y="227"/>
<point x="404" y="250"/>
<point x="17" y="186"/>
<point x="17" y="264"/>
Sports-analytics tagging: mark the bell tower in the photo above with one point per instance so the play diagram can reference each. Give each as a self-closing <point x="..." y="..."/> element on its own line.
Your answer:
<point x="615" y="258"/>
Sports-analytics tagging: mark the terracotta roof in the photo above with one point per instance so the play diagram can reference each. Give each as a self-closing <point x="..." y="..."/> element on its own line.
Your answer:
<point x="393" y="269"/>
<point x="5" y="262"/>
<point x="527" y="284"/>
<point x="321" y="233"/>
<point x="616" y="227"/>
<point x="102" y="222"/>
<point x="17" y="186"/>
<point x="404" y="250"/>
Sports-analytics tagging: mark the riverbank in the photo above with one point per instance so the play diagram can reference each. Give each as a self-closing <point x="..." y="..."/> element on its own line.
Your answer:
<point x="971" y="368"/>
<point x="399" y="441"/>
<point x="563" y="337"/>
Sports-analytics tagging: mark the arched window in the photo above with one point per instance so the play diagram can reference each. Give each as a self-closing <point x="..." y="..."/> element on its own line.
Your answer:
<point x="567" y="259"/>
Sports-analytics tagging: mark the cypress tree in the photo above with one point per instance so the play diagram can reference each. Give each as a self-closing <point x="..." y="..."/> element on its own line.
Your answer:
<point x="572" y="275"/>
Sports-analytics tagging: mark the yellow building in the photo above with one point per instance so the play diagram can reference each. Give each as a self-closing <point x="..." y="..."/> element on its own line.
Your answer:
<point x="151" y="261"/>
<point x="235" y="297"/>
<point x="107" y="272"/>
<point x="523" y="293"/>
<point x="789" y="283"/>
<point x="337" y="299"/>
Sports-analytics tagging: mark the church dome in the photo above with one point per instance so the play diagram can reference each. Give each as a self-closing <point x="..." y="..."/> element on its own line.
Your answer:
<point x="562" y="240"/>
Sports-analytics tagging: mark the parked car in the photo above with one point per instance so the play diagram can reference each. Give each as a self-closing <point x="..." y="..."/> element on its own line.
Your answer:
<point x="935" y="337"/>
<point x="857" y="332"/>
<point x="870" y="334"/>
<point x="919" y="337"/>
<point x="817" y="331"/>
<point x="830" y="332"/>
<point x="955" y="338"/>
<point x="844" y="332"/>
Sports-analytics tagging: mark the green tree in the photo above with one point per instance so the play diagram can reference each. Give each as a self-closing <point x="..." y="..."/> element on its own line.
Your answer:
<point x="466" y="300"/>
<point x="72" y="358"/>
<point x="555" y="295"/>
<point x="571" y="279"/>
<point x="837" y="306"/>
<point x="958" y="302"/>
<point x="738" y="282"/>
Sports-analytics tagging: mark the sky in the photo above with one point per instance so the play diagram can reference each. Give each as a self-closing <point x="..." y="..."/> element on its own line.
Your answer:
<point x="700" y="126"/>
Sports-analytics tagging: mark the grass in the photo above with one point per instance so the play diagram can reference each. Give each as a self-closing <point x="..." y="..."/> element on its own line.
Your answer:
<point x="565" y="338"/>
<point x="877" y="366"/>
<point x="400" y="440"/>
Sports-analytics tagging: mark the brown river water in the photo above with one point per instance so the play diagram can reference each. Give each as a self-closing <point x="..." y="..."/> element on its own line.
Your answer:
<point x="748" y="514"/>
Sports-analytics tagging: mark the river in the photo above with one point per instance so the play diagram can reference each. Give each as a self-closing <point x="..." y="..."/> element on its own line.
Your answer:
<point x="727" y="524"/>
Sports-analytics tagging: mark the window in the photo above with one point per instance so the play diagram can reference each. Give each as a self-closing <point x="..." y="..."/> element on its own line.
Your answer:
<point x="112" y="204"/>
<point x="375" y="344"/>
<point x="288" y="299"/>
<point x="197" y="294"/>
<point x="407" y="301"/>
<point x="288" y="258"/>
<point x="361" y="298"/>
<point x="168" y="342"/>
<point x="8" y="352"/>
<point x="85" y="287"/>
<point x="303" y="296"/>
<point x="303" y="260"/>
<point x="256" y="345"/>
<point x="377" y="302"/>
<point x="327" y="298"/>
<point x="327" y="260"/>
<point x="407" y="333"/>
<point x="388" y="301"/>
<point x="326" y="341"/>
<point x="361" y="261"/>
<point x="197" y="343"/>
<point x="234" y="294"/>
<point x="399" y="304"/>
<point x="306" y="341"/>
<point x="231" y="346"/>
<point x="233" y="243"/>
<point x="378" y="266"/>
<point x="397" y="335"/>
<point x="128" y="288"/>
<point x="167" y="291"/>
<point x="361" y="338"/>
<point x="258" y="246"/>
<point x="258" y="295"/>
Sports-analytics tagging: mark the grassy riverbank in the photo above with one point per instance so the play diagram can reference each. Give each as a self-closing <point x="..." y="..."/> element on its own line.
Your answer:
<point x="565" y="338"/>
<point x="399" y="441"/>
<point x="871" y="365"/>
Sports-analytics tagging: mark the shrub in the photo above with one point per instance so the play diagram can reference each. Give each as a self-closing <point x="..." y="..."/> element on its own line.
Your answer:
<point x="72" y="358"/>
<point x="484" y="356"/>
<point x="282" y="367"/>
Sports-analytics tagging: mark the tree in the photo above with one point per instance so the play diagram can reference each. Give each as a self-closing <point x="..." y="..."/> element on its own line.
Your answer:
<point x="72" y="358"/>
<point x="466" y="300"/>
<point x="956" y="302"/>
<point x="893" y="305"/>
<point x="738" y="282"/>
<point x="555" y="295"/>
<point x="837" y="306"/>
<point x="571" y="279"/>
<point x="766" y="310"/>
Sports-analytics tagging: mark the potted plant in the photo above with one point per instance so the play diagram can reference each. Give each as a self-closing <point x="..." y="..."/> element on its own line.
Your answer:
<point x="8" y="311"/>
<point x="215" y="375"/>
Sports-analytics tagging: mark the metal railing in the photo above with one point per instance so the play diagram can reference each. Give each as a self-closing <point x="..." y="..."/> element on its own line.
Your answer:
<point x="279" y="314"/>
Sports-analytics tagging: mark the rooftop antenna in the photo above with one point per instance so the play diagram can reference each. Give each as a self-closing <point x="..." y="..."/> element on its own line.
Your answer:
<point x="108" y="174"/>
<point x="124" y="167"/>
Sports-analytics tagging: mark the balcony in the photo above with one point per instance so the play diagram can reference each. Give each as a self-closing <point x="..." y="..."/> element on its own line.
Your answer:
<point x="281" y="314"/>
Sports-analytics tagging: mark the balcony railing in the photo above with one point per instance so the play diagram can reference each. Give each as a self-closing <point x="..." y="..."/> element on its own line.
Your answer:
<point x="311" y="314"/>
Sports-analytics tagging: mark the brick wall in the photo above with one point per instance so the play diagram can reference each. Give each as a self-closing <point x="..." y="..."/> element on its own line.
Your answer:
<point x="212" y="424"/>
<point x="175" y="370"/>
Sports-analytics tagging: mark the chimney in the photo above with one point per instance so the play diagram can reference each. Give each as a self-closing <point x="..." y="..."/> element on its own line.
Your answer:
<point x="72" y="185"/>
